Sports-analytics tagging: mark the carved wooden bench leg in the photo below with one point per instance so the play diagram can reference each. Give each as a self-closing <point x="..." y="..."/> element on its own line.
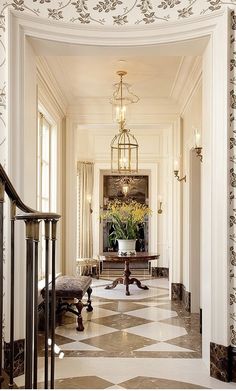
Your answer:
<point x="79" y="307"/>
<point x="89" y="306"/>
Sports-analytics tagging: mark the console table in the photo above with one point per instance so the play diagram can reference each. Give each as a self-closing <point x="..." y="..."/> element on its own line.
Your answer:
<point x="125" y="279"/>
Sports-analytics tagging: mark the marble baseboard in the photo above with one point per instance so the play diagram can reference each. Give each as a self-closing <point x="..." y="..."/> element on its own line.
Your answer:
<point x="19" y="356"/>
<point x="220" y="362"/>
<point x="233" y="364"/>
<point x="160" y="272"/>
<point x="176" y="291"/>
<point x="186" y="299"/>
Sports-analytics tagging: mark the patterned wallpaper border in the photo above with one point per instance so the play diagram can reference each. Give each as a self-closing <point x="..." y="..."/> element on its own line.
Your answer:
<point x="133" y="12"/>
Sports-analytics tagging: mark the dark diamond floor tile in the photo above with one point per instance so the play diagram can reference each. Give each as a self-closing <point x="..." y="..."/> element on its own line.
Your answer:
<point x="122" y="306"/>
<point x="59" y="340"/>
<point x="83" y="382"/>
<point x="121" y="321"/>
<point x="141" y="382"/>
<point x="189" y="341"/>
<point x="119" y="342"/>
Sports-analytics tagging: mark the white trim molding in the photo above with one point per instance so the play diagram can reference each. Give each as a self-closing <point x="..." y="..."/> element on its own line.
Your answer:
<point x="215" y="29"/>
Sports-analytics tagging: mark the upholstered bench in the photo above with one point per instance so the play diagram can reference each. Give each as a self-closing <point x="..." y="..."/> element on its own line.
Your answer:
<point x="69" y="288"/>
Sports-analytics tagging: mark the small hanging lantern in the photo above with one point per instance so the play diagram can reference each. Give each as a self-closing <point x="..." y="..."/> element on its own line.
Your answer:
<point x="124" y="152"/>
<point x="124" y="146"/>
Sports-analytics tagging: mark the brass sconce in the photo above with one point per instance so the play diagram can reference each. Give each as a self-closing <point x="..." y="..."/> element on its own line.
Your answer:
<point x="199" y="153"/>
<point x="160" y="210"/>
<point x="176" y="172"/>
<point x="197" y="148"/>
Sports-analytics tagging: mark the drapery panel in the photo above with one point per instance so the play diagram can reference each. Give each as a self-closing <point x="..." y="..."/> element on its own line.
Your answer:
<point x="84" y="217"/>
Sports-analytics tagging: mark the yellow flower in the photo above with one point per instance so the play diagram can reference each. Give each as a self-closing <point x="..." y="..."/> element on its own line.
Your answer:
<point x="126" y="218"/>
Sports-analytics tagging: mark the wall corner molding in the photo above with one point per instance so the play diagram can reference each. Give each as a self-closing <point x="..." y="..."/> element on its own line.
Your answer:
<point x="48" y="81"/>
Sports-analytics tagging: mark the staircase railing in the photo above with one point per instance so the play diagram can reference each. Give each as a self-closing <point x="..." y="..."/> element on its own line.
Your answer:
<point x="32" y="219"/>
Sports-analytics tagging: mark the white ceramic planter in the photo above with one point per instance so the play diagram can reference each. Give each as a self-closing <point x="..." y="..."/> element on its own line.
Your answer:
<point x="126" y="246"/>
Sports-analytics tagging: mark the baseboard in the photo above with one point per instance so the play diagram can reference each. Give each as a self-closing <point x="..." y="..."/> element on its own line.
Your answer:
<point x="186" y="299"/>
<point x="19" y="357"/>
<point x="160" y="272"/>
<point x="176" y="291"/>
<point x="179" y="292"/>
<point x="221" y="362"/>
<point x="233" y="364"/>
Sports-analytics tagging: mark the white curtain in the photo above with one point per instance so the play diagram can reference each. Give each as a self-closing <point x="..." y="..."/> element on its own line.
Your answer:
<point x="84" y="207"/>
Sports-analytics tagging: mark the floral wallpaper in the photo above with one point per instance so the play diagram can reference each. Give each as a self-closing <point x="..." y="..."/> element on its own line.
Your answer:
<point x="133" y="12"/>
<point x="116" y="12"/>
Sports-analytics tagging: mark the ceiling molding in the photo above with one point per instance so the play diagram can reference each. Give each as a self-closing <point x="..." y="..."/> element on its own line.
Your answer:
<point x="49" y="82"/>
<point x="185" y="86"/>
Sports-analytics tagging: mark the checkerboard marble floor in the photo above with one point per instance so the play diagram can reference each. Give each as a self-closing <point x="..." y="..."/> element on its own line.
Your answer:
<point x="139" y="341"/>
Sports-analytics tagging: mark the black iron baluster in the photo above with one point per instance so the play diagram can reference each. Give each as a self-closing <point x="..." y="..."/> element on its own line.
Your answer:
<point x="47" y="234"/>
<point x="2" y="189"/>
<point x="29" y="303"/>
<point x="36" y="242"/>
<point x="53" y="301"/>
<point x="12" y="300"/>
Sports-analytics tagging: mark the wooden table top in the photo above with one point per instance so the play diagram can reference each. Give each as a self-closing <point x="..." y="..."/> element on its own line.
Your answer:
<point x="142" y="256"/>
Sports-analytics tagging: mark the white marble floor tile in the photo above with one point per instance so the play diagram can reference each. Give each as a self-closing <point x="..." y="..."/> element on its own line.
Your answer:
<point x="163" y="347"/>
<point x="152" y="313"/>
<point x="150" y="303"/>
<point x="157" y="330"/>
<point x="90" y="330"/>
<point x="78" y="346"/>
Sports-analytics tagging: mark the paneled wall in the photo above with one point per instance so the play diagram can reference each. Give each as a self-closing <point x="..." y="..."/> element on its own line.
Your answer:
<point x="155" y="159"/>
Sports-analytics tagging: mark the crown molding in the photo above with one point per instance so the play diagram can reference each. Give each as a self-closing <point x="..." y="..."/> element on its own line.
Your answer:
<point x="51" y="86"/>
<point x="184" y="88"/>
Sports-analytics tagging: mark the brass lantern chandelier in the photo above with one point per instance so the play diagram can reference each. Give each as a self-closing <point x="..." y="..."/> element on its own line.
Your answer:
<point x="124" y="146"/>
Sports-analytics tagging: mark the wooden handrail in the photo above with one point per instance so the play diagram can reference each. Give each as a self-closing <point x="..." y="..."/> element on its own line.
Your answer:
<point x="32" y="219"/>
<point x="12" y="194"/>
<point x="38" y="216"/>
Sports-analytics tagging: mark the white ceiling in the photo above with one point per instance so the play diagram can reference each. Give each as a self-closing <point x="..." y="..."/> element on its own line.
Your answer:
<point x="87" y="77"/>
<point x="83" y="72"/>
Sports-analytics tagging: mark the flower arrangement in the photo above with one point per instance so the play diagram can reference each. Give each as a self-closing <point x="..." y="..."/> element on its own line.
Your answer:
<point x="126" y="218"/>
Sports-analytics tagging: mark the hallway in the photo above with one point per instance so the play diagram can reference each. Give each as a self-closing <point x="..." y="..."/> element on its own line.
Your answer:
<point x="138" y="342"/>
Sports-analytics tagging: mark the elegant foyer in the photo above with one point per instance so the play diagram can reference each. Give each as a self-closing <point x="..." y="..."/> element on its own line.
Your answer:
<point x="60" y="79"/>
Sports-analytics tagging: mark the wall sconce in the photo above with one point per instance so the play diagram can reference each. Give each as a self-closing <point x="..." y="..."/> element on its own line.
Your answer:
<point x="160" y="210"/>
<point x="197" y="148"/>
<point x="89" y="199"/>
<point x="176" y="172"/>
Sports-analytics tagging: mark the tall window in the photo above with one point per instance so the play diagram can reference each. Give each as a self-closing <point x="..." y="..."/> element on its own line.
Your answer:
<point x="46" y="175"/>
